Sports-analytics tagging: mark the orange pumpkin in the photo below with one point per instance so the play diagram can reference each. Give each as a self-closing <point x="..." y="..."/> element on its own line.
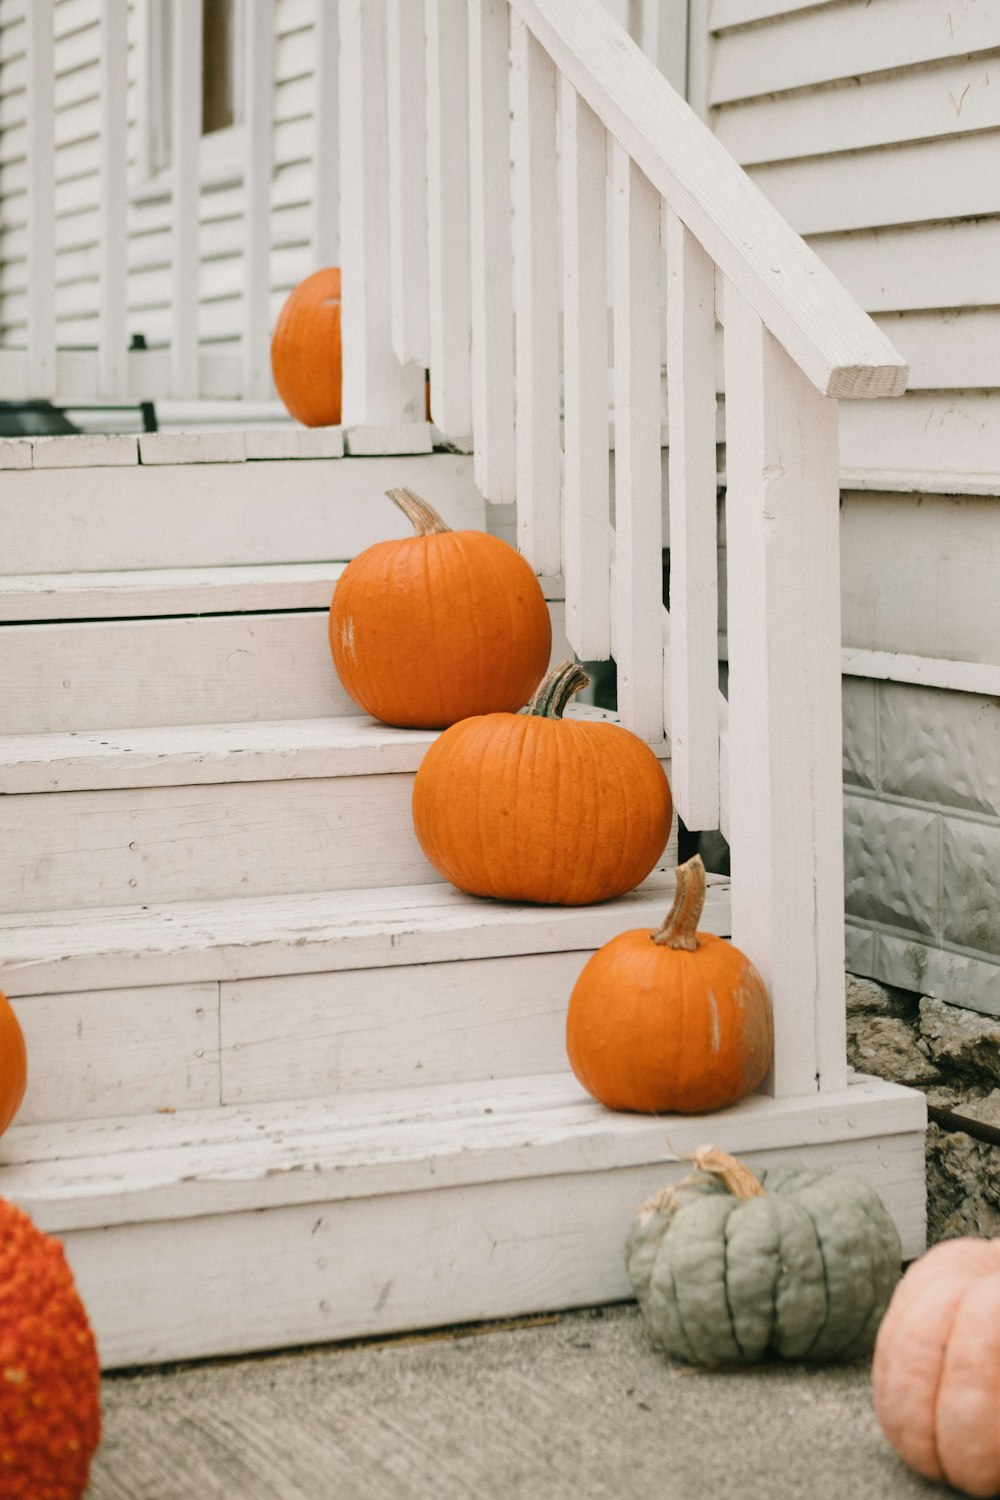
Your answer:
<point x="438" y="626"/>
<point x="13" y="1064"/>
<point x="936" y="1371"/>
<point x="673" y="1020"/>
<point x="305" y="350"/>
<point x="535" y="807"/>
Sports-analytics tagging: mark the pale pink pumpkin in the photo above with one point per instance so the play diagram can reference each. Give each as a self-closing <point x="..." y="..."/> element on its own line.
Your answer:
<point x="936" y="1371"/>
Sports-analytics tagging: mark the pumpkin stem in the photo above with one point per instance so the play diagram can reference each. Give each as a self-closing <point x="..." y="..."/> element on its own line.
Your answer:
<point x="734" y="1175"/>
<point x="422" y="517"/>
<point x="680" y="929"/>
<point x="557" y="689"/>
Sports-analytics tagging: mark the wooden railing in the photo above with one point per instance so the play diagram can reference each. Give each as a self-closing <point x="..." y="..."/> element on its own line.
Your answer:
<point x="587" y="171"/>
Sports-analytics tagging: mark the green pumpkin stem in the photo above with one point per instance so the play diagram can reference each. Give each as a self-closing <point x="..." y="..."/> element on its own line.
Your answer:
<point x="735" y="1176"/>
<point x="422" y="517"/>
<point x="680" y="929"/>
<point x="557" y="689"/>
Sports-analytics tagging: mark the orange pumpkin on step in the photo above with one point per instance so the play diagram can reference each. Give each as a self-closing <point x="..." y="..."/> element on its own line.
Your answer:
<point x="306" y="351"/>
<point x="936" y="1371"/>
<point x="438" y="626"/>
<point x="674" y="1020"/>
<point x="535" y="807"/>
<point x="13" y="1064"/>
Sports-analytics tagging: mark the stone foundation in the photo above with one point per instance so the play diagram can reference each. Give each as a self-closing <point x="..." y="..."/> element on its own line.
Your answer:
<point x="953" y="1056"/>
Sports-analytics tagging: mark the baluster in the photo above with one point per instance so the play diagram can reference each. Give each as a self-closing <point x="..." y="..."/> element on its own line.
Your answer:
<point x="638" y="522"/>
<point x="693" y="718"/>
<point x="325" y="232"/>
<point x="536" y="288"/>
<point x="259" y="73"/>
<point x="41" y="194"/>
<point x="583" y="195"/>
<point x="185" y="140"/>
<point x="407" y="86"/>
<point x="112" y="294"/>
<point x="448" y="217"/>
<point x="785" y="795"/>
<point x="490" y="248"/>
<point x="378" y="390"/>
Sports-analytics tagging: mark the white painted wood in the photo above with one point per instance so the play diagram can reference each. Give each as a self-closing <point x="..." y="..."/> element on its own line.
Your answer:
<point x="831" y="42"/>
<point x="185" y="136"/>
<point x="293" y="442"/>
<point x="28" y="598"/>
<point x="490" y="251"/>
<point x="323" y="1035"/>
<point x="40" y="371"/>
<point x="223" y="447"/>
<point x="738" y="12"/>
<point x="692" y="707"/>
<point x="928" y="265"/>
<point x="406" y="91"/>
<point x="267" y="512"/>
<point x="448" y="221"/>
<point x="583" y="198"/>
<point x="375" y="440"/>
<point x="807" y="311"/>
<point x="945" y="179"/>
<point x="699" y="58"/>
<point x="925" y="671"/>
<point x="638" y="526"/>
<point x="865" y="112"/>
<point x="378" y="390"/>
<point x="317" y="932"/>
<point x="324" y="233"/>
<point x="178" y="843"/>
<point x="15" y="453"/>
<point x="112" y="305"/>
<point x="663" y="37"/>
<point x="538" y="453"/>
<point x="120" y="1052"/>
<point x="324" y="1261"/>
<point x="925" y="431"/>
<point x="921" y="481"/>
<point x="105" y="449"/>
<point x="785" y="814"/>
<point x="957" y="349"/>
<point x="189" y="670"/>
<point x="258" y="87"/>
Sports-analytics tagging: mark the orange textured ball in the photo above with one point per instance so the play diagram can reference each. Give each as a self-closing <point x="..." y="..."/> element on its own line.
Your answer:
<point x="13" y="1064"/>
<point x="50" y="1410"/>
<point x="306" y="350"/>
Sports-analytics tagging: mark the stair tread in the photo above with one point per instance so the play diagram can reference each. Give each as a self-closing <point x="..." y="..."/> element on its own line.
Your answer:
<point x="101" y="1172"/>
<point x="315" y="932"/>
<point x="199" y="754"/>
<point x="134" y="593"/>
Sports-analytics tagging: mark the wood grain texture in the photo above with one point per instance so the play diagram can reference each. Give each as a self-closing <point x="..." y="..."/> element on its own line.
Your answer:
<point x="406" y="105"/>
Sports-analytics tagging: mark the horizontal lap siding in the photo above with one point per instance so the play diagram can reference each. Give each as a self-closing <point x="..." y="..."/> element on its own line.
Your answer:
<point x="148" y="254"/>
<point x="875" y="130"/>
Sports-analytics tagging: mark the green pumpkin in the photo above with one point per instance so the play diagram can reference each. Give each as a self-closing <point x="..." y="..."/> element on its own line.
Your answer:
<point x="729" y="1268"/>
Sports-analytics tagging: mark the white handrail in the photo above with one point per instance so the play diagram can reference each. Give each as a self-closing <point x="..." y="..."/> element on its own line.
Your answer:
<point x="802" y="303"/>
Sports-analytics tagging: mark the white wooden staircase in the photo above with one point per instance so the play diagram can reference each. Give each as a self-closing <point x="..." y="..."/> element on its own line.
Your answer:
<point x="285" y="1085"/>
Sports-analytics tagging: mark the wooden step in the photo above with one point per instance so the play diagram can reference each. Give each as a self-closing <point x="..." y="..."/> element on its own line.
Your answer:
<point x="225" y="1231"/>
<point x="178" y="1008"/>
<point x="175" y="823"/>
<point x="141" y="648"/>
<point x="217" y="509"/>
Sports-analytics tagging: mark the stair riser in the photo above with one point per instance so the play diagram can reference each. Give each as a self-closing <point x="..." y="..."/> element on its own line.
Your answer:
<point x="175" y="1047"/>
<point x="209" y="669"/>
<point x="198" y="669"/>
<point x="218" y="514"/>
<point x="242" y="1281"/>
<point x="144" y="845"/>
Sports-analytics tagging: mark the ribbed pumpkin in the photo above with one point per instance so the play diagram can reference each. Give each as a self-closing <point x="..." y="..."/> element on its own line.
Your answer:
<point x="50" y="1402"/>
<point x="535" y="807"/>
<point x="731" y="1268"/>
<point x="936" y="1372"/>
<point x="13" y="1064"/>
<point x="438" y="626"/>
<point x="305" y="350"/>
<point x="673" y="1020"/>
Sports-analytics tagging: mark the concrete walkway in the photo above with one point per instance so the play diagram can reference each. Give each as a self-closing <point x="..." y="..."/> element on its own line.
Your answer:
<point x="574" y="1407"/>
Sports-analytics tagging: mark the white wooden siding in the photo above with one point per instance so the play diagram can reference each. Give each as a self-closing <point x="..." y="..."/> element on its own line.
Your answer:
<point x="875" y="130"/>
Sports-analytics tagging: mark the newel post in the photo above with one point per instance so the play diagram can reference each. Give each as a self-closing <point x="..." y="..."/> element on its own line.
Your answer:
<point x="785" y="792"/>
<point x="378" y="390"/>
